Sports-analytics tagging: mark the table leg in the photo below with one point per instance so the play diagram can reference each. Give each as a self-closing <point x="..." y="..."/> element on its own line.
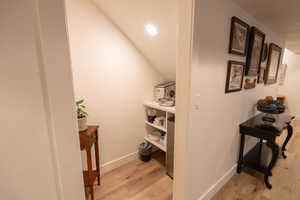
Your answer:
<point x="90" y="171"/>
<point x="97" y="158"/>
<point x="290" y="134"/>
<point x="89" y="161"/>
<point x="260" y="149"/>
<point x="92" y="193"/>
<point x="275" y="153"/>
<point x="241" y="155"/>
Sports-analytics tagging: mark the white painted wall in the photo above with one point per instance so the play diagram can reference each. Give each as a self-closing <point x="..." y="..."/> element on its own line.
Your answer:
<point x="39" y="147"/>
<point x="113" y="78"/>
<point x="291" y="85"/>
<point x="213" y="141"/>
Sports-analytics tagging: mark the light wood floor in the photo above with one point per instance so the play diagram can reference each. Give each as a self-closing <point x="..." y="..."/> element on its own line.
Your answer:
<point x="136" y="181"/>
<point x="148" y="181"/>
<point x="285" y="179"/>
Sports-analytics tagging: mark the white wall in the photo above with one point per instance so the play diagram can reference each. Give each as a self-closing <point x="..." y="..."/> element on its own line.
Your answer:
<point x="39" y="152"/>
<point x="215" y="116"/>
<point x="291" y="85"/>
<point x="113" y="78"/>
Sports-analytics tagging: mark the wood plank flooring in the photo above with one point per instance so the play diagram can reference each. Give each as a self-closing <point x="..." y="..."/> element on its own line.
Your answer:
<point x="136" y="181"/>
<point x="148" y="181"/>
<point x="286" y="178"/>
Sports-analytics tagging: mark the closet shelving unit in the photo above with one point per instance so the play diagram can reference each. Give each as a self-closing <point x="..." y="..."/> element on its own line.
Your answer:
<point x="162" y="111"/>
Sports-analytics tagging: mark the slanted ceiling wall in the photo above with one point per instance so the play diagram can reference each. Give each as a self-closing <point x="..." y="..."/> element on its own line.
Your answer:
<point x="113" y="78"/>
<point x="131" y="16"/>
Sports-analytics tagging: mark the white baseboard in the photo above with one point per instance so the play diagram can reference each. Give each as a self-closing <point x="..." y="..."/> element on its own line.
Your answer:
<point x="107" y="167"/>
<point x="219" y="184"/>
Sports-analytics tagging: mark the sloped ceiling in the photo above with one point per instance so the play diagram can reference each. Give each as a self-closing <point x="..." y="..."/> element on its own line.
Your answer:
<point x="282" y="16"/>
<point x="131" y="16"/>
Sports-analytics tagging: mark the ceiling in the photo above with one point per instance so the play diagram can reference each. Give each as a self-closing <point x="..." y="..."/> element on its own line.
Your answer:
<point x="281" y="16"/>
<point x="131" y="16"/>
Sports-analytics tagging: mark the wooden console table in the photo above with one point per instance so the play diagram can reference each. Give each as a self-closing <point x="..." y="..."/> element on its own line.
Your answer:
<point x="89" y="138"/>
<point x="256" y="127"/>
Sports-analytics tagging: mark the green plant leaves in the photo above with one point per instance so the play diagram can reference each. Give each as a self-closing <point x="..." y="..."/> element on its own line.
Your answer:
<point x="79" y="102"/>
<point x="81" y="113"/>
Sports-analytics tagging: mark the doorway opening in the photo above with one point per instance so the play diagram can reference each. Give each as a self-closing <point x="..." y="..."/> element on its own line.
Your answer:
<point x="124" y="70"/>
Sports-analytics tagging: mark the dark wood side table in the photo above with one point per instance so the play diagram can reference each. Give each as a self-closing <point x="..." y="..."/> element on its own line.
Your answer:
<point x="88" y="138"/>
<point x="256" y="127"/>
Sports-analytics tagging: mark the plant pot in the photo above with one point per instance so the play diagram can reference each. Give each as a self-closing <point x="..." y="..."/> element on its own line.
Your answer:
<point x="82" y="126"/>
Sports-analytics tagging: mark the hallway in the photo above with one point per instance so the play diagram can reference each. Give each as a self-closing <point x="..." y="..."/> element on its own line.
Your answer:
<point x="286" y="179"/>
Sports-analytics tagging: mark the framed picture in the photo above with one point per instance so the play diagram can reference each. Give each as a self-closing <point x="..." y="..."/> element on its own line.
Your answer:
<point x="250" y="83"/>
<point x="265" y="52"/>
<point x="254" y="56"/>
<point x="239" y="36"/>
<point x="261" y="76"/>
<point x="282" y="74"/>
<point x="273" y="64"/>
<point x="235" y="76"/>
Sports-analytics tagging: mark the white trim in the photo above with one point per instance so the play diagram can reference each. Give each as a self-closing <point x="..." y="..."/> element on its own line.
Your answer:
<point x="48" y="115"/>
<point x="181" y="189"/>
<point x="219" y="184"/>
<point x="59" y="103"/>
<point x="111" y="165"/>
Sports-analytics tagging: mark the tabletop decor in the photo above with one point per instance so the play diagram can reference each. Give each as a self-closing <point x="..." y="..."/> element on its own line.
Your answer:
<point x="271" y="107"/>
<point x="81" y="115"/>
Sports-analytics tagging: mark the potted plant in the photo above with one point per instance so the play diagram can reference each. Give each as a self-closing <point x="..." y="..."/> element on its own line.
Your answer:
<point x="81" y="115"/>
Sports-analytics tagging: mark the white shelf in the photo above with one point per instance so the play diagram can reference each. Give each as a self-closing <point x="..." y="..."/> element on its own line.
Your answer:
<point x="155" y="105"/>
<point x="161" y="147"/>
<point x="156" y="126"/>
<point x="166" y="111"/>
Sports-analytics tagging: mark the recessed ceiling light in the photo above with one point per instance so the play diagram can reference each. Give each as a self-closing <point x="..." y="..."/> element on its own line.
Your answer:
<point x="151" y="29"/>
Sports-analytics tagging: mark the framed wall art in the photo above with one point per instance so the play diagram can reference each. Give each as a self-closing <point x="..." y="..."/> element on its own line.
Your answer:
<point x="235" y="76"/>
<point x="261" y="76"/>
<point x="282" y="74"/>
<point x="273" y="64"/>
<point x="250" y="83"/>
<point x="254" y="56"/>
<point x="265" y="52"/>
<point x="239" y="36"/>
